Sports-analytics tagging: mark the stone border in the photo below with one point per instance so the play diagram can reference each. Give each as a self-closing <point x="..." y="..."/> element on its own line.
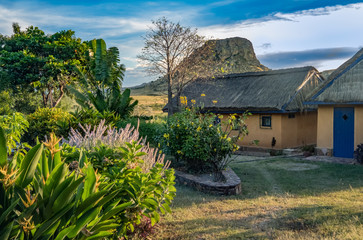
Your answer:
<point x="204" y="182"/>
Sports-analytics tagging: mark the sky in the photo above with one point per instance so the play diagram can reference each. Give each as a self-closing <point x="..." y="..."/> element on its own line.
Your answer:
<point x="284" y="33"/>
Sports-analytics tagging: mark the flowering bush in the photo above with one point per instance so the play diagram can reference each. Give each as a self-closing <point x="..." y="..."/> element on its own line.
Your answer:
<point x="108" y="141"/>
<point x="200" y="143"/>
<point x="138" y="173"/>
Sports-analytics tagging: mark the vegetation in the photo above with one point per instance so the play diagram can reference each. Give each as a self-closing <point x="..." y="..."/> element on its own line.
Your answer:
<point x="358" y="154"/>
<point x="281" y="198"/>
<point x="14" y="126"/>
<point x="45" y="121"/>
<point x="43" y="197"/>
<point x="102" y="81"/>
<point x="137" y="171"/>
<point x="167" y="45"/>
<point x="35" y="62"/>
<point x="53" y="192"/>
<point x="199" y="143"/>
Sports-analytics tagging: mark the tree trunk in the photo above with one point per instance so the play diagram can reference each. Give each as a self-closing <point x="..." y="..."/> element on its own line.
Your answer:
<point x="177" y="95"/>
<point x="61" y="90"/>
<point x="45" y="99"/>
<point x="170" y="97"/>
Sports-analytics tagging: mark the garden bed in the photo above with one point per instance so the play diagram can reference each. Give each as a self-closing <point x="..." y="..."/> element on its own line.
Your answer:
<point x="205" y="183"/>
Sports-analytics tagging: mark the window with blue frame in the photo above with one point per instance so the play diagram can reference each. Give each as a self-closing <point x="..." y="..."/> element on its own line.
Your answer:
<point x="265" y="122"/>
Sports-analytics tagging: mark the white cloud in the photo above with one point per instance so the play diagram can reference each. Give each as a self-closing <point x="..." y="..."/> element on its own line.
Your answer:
<point x="311" y="29"/>
<point x="329" y="27"/>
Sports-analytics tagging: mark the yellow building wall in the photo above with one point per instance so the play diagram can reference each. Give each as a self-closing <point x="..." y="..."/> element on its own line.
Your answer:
<point x="263" y="135"/>
<point x="288" y="132"/>
<point x="325" y="127"/>
<point x="358" y="125"/>
<point x="325" y="134"/>
<point x="299" y="131"/>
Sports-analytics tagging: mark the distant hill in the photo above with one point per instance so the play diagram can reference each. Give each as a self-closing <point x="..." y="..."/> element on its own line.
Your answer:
<point x="237" y="52"/>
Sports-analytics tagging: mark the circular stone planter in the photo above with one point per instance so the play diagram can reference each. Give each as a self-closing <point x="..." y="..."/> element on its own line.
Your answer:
<point x="205" y="183"/>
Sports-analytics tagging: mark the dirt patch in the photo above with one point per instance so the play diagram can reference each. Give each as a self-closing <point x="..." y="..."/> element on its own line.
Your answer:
<point x="289" y="166"/>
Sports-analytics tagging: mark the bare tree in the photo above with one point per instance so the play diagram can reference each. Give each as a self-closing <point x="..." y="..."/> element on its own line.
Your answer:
<point x="168" y="51"/>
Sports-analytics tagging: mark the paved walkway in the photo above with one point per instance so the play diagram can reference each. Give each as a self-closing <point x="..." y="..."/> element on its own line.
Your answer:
<point x="256" y="156"/>
<point x="331" y="159"/>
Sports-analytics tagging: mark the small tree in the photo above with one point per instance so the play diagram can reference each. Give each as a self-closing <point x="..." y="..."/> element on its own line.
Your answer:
<point x="168" y="51"/>
<point x="39" y="63"/>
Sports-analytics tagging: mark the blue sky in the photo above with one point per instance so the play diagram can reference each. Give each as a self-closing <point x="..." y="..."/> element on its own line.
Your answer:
<point x="285" y="33"/>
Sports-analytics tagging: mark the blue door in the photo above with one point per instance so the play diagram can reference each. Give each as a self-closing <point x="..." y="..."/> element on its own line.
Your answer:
<point x="343" y="132"/>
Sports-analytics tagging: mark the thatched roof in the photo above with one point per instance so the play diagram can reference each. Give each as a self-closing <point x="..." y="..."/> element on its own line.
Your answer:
<point x="275" y="90"/>
<point x="343" y="86"/>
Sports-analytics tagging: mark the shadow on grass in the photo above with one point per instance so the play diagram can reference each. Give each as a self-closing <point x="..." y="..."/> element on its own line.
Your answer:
<point x="312" y="221"/>
<point x="297" y="177"/>
<point x="280" y="177"/>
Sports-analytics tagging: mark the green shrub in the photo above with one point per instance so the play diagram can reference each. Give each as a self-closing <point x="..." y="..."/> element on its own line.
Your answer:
<point x="42" y="199"/>
<point x="199" y="144"/>
<point x="151" y="192"/>
<point x="14" y="126"/>
<point x="45" y="121"/>
<point x="6" y="103"/>
<point x="137" y="171"/>
<point x="93" y="117"/>
<point x="358" y="154"/>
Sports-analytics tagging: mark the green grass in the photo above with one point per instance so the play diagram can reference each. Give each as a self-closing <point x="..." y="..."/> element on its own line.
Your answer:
<point x="281" y="199"/>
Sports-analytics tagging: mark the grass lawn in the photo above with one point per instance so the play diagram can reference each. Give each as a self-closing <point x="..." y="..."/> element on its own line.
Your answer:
<point x="282" y="199"/>
<point x="150" y="105"/>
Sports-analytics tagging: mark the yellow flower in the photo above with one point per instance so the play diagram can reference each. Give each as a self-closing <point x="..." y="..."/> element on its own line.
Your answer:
<point x="179" y="152"/>
<point x="210" y="125"/>
<point x="199" y="128"/>
<point x="183" y="100"/>
<point x="202" y="95"/>
<point x="166" y="135"/>
<point x="229" y="139"/>
<point x="160" y="152"/>
<point x="214" y="101"/>
<point x="193" y="101"/>
<point x="178" y="125"/>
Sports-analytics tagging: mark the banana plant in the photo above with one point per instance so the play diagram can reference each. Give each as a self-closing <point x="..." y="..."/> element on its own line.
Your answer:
<point x="102" y="81"/>
<point x="40" y="198"/>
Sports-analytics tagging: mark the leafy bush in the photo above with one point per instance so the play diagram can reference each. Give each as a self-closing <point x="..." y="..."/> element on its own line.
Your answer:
<point x="102" y="136"/>
<point x="199" y="143"/>
<point x="6" y="103"/>
<point x="47" y="120"/>
<point x="93" y="117"/>
<point x="151" y="192"/>
<point x="42" y="199"/>
<point x="14" y="126"/>
<point x="137" y="171"/>
<point x="358" y="154"/>
<point x="21" y="101"/>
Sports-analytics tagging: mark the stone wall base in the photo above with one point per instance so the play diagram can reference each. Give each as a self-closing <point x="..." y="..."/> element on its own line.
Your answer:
<point x="324" y="151"/>
<point x="204" y="182"/>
